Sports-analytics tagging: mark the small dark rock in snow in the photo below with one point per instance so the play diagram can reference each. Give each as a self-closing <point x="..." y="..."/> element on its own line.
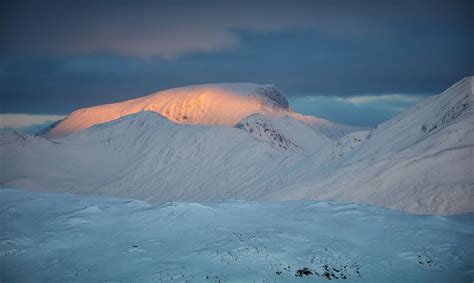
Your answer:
<point x="303" y="272"/>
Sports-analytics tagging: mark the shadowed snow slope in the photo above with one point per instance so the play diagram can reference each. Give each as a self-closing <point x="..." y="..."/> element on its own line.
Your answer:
<point x="420" y="161"/>
<point x="145" y="156"/>
<point x="64" y="238"/>
<point x="285" y="132"/>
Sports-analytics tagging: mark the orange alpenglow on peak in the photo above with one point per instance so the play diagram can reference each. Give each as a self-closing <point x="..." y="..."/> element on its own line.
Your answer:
<point x="207" y="104"/>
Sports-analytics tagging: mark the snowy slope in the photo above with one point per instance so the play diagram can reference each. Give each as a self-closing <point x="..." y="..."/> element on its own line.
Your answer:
<point x="348" y="143"/>
<point x="438" y="122"/>
<point x="66" y="238"/>
<point x="420" y="161"/>
<point x="285" y="132"/>
<point x="148" y="157"/>
<point x="328" y="128"/>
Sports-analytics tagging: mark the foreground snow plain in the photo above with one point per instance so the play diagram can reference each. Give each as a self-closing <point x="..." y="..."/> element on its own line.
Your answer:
<point x="50" y="237"/>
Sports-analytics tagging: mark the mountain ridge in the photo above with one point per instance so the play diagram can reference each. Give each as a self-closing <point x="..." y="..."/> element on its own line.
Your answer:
<point x="148" y="157"/>
<point x="208" y="104"/>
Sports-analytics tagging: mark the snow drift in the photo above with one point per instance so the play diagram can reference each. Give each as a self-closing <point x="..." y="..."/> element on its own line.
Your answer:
<point x="61" y="237"/>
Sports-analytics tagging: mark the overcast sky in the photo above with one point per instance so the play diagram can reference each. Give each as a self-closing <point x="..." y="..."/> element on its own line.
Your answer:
<point x="354" y="62"/>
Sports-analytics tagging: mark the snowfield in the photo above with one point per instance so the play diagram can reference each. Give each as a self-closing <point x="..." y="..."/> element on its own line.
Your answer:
<point x="50" y="237"/>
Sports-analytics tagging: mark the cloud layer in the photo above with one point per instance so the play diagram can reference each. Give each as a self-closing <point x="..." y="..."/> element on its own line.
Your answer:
<point x="370" y="99"/>
<point x="173" y="28"/>
<point x="367" y="110"/>
<point x="24" y="121"/>
<point x="58" y="56"/>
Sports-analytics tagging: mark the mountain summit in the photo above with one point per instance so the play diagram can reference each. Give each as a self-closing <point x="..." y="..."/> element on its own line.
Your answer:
<point x="207" y="104"/>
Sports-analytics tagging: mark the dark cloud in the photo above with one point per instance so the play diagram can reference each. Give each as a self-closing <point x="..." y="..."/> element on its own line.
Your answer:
<point x="356" y="111"/>
<point x="169" y="29"/>
<point x="57" y="56"/>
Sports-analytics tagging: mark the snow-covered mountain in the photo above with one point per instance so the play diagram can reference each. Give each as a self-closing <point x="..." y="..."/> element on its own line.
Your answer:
<point x="421" y="160"/>
<point x="208" y="104"/>
<point x="145" y="156"/>
<point x="245" y="142"/>
<point x="262" y="108"/>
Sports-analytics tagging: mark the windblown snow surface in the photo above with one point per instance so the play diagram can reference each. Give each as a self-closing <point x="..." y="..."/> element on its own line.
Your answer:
<point x="48" y="237"/>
